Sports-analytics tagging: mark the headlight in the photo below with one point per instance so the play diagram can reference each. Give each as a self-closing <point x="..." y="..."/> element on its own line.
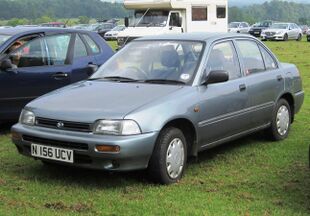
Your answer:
<point x="27" y="118"/>
<point x="279" y="32"/>
<point x="116" y="127"/>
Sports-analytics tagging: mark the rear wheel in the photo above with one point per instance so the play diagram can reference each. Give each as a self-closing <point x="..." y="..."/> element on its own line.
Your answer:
<point x="281" y="121"/>
<point x="168" y="161"/>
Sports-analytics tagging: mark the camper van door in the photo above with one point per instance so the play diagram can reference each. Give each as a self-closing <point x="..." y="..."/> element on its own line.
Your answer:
<point x="175" y="22"/>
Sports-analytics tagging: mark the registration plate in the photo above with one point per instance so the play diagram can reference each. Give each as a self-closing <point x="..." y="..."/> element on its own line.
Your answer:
<point x="52" y="153"/>
<point x="256" y="32"/>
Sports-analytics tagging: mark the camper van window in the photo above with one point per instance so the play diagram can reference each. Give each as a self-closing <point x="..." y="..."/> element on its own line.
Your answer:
<point x="199" y="13"/>
<point x="150" y="18"/>
<point x="221" y="12"/>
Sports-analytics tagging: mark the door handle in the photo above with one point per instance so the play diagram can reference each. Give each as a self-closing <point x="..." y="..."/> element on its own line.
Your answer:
<point x="242" y="87"/>
<point x="279" y="78"/>
<point x="60" y="75"/>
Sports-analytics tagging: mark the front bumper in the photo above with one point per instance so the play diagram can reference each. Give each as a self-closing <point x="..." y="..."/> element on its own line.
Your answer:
<point x="135" y="151"/>
<point x="274" y="37"/>
<point x="255" y="33"/>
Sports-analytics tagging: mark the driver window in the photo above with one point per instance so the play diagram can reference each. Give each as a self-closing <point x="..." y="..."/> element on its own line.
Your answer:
<point x="175" y="20"/>
<point x="223" y="57"/>
<point x="29" y="55"/>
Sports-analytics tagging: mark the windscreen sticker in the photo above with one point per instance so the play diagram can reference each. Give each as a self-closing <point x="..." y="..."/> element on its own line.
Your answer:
<point x="185" y="76"/>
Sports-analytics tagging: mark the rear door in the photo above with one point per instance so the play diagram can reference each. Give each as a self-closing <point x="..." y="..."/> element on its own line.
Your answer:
<point x="264" y="81"/>
<point x="84" y="62"/>
<point x="40" y="66"/>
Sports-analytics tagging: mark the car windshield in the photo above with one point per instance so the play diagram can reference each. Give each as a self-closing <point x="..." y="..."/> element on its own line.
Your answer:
<point x="279" y="26"/>
<point x="106" y="26"/>
<point x="118" y="28"/>
<point x="234" y="25"/>
<point x="3" y="38"/>
<point x="262" y="24"/>
<point x="150" y="18"/>
<point x="164" y="62"/>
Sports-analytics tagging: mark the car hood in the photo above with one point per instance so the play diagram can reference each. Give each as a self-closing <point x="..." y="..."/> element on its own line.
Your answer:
<point x="89" y="101"/>
<point x="275" y="30"/>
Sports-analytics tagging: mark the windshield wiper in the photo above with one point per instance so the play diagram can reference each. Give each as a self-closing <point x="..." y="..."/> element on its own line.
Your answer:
<point x="119" y="79"/>
<point x="164" y="81"/>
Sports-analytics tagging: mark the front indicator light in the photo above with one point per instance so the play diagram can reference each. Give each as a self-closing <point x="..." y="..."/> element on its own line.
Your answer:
<point x="108" y="148"/>
<point x="16" y="136"/>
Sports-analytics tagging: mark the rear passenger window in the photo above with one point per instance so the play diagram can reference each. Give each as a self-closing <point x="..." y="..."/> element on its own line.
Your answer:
<point x="223" y="57"/>
<point x="268" y="59"/>
<point x="252" y="57"/>
<point x="79" y="48"/>
<point x="92" y="44"/>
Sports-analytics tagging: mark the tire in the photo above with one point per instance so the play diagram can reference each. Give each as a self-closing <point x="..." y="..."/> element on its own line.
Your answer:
<point x="171" y="140"/>
<point x="281" y="121"/>
<point x="285" y="38"/>
<point x="299" y="37"/>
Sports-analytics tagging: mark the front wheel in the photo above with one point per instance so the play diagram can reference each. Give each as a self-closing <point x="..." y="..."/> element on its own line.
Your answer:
<point x="285" y="38"/>
<point x="299" y="37"/>
<point x="168" y="161"/>
<point x="281" y="121"/>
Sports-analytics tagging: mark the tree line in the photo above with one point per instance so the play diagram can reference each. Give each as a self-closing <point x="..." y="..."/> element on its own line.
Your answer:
<point x="19" y="12"/>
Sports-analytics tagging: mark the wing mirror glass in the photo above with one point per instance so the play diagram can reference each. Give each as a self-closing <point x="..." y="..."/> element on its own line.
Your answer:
<point x="216" y="76"/>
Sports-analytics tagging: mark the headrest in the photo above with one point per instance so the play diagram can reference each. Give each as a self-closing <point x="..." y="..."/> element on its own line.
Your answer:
<point x="170" y="58"/>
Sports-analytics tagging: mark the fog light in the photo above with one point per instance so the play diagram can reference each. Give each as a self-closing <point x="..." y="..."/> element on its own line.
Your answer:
<point x="16" y="136"/>
<point x="108" y="148"/>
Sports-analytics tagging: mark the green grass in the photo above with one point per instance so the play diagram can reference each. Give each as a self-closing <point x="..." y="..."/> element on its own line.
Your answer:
<point x="251" y="176"/>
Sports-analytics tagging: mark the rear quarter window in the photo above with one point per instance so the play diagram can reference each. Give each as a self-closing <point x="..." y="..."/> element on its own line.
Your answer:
<point x="92" y="44"/>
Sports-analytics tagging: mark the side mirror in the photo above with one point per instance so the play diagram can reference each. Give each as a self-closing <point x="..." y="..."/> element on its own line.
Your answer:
<point x="216" y="76"/>
<point x="126" y="21"/>
<point x="92" y="69"/>
<point x="6" y="64"/>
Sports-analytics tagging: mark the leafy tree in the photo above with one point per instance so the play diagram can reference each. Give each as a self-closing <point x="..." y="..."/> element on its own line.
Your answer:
<point x="84" y="19"/>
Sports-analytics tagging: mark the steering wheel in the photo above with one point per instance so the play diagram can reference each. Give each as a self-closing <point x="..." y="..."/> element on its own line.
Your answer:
<point x="140" y="71"/>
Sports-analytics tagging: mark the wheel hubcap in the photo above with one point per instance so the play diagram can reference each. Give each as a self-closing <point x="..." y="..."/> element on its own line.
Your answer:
<point x="175" y="158"/>
<point x="283" y="120"/>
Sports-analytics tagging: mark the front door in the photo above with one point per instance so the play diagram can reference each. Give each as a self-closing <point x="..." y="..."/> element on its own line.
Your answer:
<point x="222" y="105"/>
<point x="39" y="67"/>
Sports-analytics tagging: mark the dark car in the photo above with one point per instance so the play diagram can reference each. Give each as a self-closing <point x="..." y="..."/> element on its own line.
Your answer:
<point x="257" y="28"/>
<point x="35" y="61"/>
<point x="105" y="27"/>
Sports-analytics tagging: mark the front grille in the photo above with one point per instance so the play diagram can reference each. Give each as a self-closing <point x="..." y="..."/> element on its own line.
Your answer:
<point x="63" y="125"/>
<point x="55" y="143"/>
<point x="270" y="33"/>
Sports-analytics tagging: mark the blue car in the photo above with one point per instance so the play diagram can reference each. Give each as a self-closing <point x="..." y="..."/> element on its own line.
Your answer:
<point x="35" y="61"/>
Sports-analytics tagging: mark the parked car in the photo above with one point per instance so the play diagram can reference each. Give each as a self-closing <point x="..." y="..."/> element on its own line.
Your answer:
<point x="304" y="28"/>
<point x="112" y="35"/>
<point x="239" y="27"/>
<point x="104" y="28"/>
<point x="35" y="61"/>
<point x="282" y="31"/>
<point x="257" y="28"/>
<point x="308" y="36"/>
<point x="175" y="96"/>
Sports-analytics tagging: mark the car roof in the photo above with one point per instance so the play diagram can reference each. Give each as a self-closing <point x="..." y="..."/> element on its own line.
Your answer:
<point x="32" y="30"/>
<point x="195" y="36"/>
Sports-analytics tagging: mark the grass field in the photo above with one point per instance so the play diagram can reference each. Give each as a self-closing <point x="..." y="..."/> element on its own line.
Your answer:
<point x="251" y="176"/>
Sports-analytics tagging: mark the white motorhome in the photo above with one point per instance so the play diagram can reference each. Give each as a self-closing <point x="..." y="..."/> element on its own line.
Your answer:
<point x="154" y="17"/>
